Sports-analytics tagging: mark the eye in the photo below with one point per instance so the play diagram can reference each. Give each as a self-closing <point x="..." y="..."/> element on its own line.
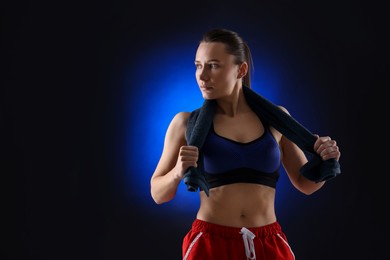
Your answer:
<point x="213" y="65"/>
<point x="198" y="66"/>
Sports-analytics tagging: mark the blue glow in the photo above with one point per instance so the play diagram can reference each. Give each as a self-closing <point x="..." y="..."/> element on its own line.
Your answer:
<point x="164" y="90"/>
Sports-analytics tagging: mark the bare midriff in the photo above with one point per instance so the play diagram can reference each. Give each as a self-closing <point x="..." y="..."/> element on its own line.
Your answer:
<point x="238" y="205"/>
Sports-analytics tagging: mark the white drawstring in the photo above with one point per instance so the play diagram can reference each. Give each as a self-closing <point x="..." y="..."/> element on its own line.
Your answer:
<point x="248" y="237"/>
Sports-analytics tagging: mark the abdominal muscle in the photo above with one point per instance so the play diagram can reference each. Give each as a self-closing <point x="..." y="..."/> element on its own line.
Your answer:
<point x="238" y="205"/>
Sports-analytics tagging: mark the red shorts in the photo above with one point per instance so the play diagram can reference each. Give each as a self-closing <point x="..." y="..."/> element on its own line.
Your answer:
<point x="210" y="241"/>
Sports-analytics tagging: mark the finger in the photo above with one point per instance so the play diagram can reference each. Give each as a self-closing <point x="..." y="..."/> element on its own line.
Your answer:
<point x="187" y="156"/>
<point x="189" y="148"/>
<point x="324" y="145"/>
<point x="188" y="153"/>
<point x="320" y="141"/>
<point x="330" y="152"/>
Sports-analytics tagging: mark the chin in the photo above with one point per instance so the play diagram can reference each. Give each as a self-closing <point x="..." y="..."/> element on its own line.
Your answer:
<point x="205" y="96"/>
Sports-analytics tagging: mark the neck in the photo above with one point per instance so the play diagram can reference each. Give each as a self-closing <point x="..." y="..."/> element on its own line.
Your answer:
<point x="233" y="104"/>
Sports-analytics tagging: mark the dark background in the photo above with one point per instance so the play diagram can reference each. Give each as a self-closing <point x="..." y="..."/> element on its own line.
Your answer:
<point x="61" y="118"/>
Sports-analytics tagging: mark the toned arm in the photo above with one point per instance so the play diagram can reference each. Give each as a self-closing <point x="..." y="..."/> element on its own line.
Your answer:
<point x="171" y="167"/>
<point x="293" y="158"/>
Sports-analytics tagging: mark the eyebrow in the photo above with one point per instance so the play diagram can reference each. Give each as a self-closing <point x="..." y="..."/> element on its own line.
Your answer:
<point x="213" y="60"/>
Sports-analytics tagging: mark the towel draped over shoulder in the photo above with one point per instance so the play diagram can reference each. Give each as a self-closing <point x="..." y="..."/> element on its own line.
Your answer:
<point x="200" y="121"/>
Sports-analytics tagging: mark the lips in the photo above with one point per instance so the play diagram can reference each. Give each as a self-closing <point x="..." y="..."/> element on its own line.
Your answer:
<point x="205" y="88"/>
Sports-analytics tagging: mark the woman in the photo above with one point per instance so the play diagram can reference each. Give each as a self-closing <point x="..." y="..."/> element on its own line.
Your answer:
<point x="236" y="220"/>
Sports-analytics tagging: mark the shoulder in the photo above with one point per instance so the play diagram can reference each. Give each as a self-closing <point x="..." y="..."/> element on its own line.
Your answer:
<point x="177" y="128"/>
<point x="181" y="118"/>
<point x="179" y="121"/>
<point x="284" y="109"/>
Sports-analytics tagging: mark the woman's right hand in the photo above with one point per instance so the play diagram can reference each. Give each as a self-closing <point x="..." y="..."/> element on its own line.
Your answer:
<point x="188" y="157"/>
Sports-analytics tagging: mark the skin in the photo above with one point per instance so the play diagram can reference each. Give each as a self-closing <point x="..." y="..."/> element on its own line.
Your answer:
<point x="240" y="204"/>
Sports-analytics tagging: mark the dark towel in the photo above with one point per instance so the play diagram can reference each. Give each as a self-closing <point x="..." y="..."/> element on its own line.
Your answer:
<point x="201" y="120"/>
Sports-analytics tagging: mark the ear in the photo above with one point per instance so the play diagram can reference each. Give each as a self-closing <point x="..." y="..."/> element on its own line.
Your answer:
<point x="243" y="70"/>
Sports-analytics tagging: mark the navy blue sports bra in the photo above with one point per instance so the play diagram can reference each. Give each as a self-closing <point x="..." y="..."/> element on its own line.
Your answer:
<point x="227" y="161"/>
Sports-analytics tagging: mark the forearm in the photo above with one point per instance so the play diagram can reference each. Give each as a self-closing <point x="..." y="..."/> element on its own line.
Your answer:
<point x="164" y="188"/>
<point x="308" y="187"/>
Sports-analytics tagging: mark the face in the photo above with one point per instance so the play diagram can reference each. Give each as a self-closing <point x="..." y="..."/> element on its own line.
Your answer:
<point x="216" y="72"/>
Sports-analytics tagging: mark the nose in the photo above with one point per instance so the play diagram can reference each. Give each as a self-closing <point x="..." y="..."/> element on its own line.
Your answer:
<point x="203" y="75"/>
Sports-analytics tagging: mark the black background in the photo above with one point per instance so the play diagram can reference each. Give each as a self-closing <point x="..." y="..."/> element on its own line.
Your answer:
<point x="59" y="127"/>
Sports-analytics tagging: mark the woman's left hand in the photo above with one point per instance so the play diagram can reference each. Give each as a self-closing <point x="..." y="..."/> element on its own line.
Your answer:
<point x="326" y="148"/>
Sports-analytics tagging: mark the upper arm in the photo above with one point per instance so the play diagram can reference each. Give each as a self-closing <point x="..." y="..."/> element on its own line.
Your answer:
<point x="174" y="139"/>
<point x="293" y="158"/>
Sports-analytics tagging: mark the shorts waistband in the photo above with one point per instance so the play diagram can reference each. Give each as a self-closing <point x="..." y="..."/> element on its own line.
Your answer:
<point x="234" y="232"/>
